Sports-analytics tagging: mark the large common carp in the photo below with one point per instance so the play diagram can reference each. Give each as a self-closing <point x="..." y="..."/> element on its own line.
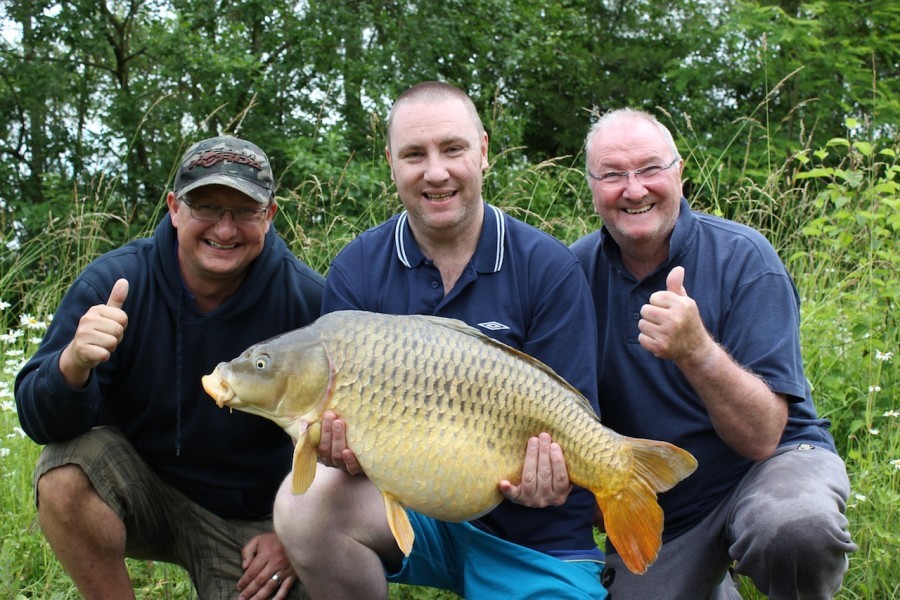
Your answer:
<point x="438" y="414"/>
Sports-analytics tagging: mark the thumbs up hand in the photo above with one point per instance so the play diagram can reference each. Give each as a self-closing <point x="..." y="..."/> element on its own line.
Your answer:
<point x="99" y="333"/>
<point x="670" y="325"/>
<point x="675" y="282"/>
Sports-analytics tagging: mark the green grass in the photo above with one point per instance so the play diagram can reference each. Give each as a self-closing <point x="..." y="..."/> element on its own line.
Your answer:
<point x="831" y="212"/>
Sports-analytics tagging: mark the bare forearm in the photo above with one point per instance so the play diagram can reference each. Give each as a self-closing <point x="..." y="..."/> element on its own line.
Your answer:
<point x="746" y="414"/>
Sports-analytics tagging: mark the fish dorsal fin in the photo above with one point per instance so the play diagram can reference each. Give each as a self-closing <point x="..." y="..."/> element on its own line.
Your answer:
<point x="467" y="329"/>
<point x="399" y="523"/>
<point x="304" y="465"/>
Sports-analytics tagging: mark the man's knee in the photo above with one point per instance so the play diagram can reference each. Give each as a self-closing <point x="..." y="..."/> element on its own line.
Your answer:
<point x="293" y="516"/>
<point x="63" y="489"/>
<point x="282" y="511"/>
<point x="67" y="503"/>
<point x="810" y="538"/>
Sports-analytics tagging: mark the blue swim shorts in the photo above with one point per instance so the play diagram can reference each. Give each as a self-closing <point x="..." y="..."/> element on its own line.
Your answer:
<point x="475" y="564"/>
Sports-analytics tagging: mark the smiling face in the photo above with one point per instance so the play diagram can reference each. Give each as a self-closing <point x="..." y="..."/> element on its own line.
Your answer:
<point x="437" y="152"/>
<point x="639" y="214"/>
<point x="214" y="257"/>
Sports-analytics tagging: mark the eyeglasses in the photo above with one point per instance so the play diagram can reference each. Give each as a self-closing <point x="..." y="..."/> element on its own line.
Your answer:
<point x="213" y="213"/>
<point x="643" y="174"/>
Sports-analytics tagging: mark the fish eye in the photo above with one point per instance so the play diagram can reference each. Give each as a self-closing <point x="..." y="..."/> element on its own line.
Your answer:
<point x="262" y="362"/>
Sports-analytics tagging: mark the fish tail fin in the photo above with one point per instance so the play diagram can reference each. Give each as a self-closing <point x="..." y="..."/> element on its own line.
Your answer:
<point x="631" y="515"/>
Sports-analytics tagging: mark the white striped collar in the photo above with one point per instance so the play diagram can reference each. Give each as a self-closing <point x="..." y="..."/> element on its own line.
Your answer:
<point x="488" y="257"/>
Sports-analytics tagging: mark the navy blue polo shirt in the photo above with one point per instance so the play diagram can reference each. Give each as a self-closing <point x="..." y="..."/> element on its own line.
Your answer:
<point x="748" y="303"/>
<point x="522" y="287"/>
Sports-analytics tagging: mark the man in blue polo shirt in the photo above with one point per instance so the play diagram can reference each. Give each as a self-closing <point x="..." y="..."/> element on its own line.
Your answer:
<point x="698" y="326"/>
<point x="451" y="254"/>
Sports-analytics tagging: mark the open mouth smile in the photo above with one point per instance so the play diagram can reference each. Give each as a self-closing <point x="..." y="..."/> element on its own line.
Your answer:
<point x="438" y="197"/>
<point x="638" y="211"/>
<point x="219" y="246"/>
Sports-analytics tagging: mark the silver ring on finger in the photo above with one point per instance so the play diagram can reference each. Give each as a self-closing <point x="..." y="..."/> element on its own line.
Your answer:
<point x="276" y="578"/>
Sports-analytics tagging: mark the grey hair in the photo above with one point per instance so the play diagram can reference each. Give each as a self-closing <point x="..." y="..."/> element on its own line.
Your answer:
<point x="614" y="116"/>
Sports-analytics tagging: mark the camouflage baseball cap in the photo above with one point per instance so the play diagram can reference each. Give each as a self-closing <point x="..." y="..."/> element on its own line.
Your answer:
<point x="230" y="161"/>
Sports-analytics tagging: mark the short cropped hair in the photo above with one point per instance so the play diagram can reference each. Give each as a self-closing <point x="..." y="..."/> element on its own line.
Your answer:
<point x="434" y="91"/>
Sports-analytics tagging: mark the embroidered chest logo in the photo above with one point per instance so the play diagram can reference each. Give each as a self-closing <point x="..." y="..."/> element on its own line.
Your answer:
<point x="493" y="325"/>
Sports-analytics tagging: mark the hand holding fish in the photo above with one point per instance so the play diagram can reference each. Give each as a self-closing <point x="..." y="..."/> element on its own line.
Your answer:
<point x="99" y="332"/>
<point x="545" y="479"/>
<point x="670" y="325"/>
<point x="332" y="449"/>
<point x="267" y="571"/>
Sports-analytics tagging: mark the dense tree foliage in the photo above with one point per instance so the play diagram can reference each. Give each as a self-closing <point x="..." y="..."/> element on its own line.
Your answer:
<point x="98" y="99"/>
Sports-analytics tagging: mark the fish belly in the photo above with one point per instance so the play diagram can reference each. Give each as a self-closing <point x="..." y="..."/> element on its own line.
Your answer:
<point x="436" y="464"/>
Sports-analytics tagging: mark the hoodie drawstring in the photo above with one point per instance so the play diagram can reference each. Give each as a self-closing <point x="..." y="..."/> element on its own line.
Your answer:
<point x="179" y="347"/>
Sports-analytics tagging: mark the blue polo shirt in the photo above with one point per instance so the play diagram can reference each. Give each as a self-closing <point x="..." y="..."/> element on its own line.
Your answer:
<point x="748" y="303"/>
<point x="522" y="287"/>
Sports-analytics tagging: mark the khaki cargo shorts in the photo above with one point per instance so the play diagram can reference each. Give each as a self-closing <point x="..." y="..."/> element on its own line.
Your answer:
<point x="161" y="523"/>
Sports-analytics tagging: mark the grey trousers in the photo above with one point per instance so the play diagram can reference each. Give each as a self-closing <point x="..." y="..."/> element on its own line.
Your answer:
<point x="783" y="526"/>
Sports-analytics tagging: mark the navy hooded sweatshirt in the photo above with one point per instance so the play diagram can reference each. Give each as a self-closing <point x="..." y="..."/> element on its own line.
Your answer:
<point x="229" y="462"/>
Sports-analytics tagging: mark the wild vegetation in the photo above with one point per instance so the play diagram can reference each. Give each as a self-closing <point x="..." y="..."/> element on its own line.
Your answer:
<point x="831" y="211"/>
<point x="786" y="113"/>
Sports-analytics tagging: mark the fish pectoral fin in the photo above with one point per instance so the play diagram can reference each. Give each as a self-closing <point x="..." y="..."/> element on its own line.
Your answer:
<point x="399" y="523"/>
<point x="304" y="465"/>
<point x="314" y="433"/>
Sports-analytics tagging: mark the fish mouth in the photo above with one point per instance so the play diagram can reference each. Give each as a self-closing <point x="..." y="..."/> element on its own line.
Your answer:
<point x="216" y="386"/>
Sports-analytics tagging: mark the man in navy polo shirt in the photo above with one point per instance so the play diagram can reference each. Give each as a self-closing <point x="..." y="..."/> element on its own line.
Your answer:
<point x="451" y="254"/>
<point x="698" y="326"/>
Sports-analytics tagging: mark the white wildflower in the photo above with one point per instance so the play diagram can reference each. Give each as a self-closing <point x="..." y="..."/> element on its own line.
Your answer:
<point x="14" y="366"/>
<point x="17" y="432"/>
<point x="31" y="322"/>
<point x="874" y="388"/>
<point x="4" y="304"/>
<point x="12" y="335"/>
<point x="874" y="431"/>
<point x="891" y="413"/>
<point x="4" y="452"/>
<point x="884" y="356"/>
<point x="860" y="497"/>
<point x="7" y="406"/>
<point x="896" y="463"/>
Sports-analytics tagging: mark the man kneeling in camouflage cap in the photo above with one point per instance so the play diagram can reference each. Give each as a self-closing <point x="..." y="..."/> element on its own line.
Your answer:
<point x="139" y="462"/>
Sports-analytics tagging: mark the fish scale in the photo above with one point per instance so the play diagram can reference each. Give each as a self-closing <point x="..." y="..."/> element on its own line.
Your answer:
<point x="438" y="414"/>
